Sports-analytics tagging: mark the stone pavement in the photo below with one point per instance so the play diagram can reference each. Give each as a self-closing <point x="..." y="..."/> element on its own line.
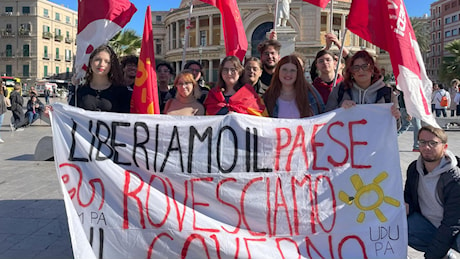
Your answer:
<point x="33" y="221"/>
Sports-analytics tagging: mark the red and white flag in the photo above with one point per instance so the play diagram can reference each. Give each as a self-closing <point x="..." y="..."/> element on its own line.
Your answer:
<point x="236" y="43"/>
<point x="145" y="93"/>
<point x="320" y="3"/>
<point x="98" y="22"/>
<point x="386" y="24"/>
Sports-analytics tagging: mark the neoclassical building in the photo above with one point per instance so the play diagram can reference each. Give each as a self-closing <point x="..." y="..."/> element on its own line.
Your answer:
<point x="206" y="40"/>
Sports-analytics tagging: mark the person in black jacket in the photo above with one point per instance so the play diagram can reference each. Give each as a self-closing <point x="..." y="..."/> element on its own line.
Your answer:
<point x="432" y="196"/>
<point x="17" y="101"/>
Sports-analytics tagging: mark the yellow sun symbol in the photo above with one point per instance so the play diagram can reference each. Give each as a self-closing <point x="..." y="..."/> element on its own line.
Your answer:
<point x="361" y="190"/>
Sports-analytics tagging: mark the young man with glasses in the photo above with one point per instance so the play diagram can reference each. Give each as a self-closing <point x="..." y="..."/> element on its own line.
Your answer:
<point x="432" y="196"/>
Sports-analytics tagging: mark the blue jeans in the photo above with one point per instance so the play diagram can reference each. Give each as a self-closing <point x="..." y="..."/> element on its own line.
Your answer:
<point x="421" y="232"/>
<point x="441" y="110"/>
<point x="404" y="122"/>
<point x="32" y="117"/>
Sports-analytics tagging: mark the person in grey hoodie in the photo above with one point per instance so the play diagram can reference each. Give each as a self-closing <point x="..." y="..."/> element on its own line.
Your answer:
<point x="432" y="196"/>
<point x="362" y="84"/>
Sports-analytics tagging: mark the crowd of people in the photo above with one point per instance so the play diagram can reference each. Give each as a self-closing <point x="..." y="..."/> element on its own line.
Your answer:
<point x="275" y="86"/>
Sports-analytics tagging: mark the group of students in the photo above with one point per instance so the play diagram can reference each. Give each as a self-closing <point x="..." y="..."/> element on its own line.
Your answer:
<point x="269" y="86"/>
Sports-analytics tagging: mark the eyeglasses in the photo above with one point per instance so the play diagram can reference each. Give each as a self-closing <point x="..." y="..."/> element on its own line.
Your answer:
<point x="431" y="143"/>
<point x="364" y="67"/>
<point x="183" y="84"/>
<point x="229" y="70"/>
<point x="195" y="70"/>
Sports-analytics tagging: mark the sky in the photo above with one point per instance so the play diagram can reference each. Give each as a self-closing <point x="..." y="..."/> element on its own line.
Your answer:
<point x="414" y="8"/>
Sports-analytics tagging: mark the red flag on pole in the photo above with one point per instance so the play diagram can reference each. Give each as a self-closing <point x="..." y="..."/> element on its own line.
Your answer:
<point x="236" y="43"/>
<point x="145" y="93"/>
<point x="387" y="25"/>
<point x="98" y="22"/>
<point x="320" y="3"/>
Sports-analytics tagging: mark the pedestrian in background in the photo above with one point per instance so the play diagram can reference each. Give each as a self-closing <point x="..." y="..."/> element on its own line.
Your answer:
<point x="4" y="104"/>
<point x="440" y="107"/>
<point x="17" y="101"/>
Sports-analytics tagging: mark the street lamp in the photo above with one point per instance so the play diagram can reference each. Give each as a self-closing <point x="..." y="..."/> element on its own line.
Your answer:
<point x="200" y="51"/>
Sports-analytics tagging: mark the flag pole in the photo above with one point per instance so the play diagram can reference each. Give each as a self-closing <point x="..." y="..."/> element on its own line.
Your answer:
<point x="276" y="15"/>
<point x="331" y="16"/>
<point x="340" y="58"/>
<point x="186" y="34"/>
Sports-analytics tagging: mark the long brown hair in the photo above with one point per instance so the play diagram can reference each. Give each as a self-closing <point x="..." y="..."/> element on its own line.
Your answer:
<point x="348" y="76"/>
<point x="301" y="86"/>
<point x="115" y="74"/>
<point x="239" y="69"/>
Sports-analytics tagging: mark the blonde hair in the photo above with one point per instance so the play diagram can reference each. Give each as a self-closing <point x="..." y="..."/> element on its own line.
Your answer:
<point x="189" y="78"/>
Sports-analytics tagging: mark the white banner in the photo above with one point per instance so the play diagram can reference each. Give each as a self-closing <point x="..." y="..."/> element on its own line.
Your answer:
<point x="235" y="186"/>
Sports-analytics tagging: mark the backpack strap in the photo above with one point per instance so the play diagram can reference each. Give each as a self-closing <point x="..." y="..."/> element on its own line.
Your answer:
<point x="384" y="92"/>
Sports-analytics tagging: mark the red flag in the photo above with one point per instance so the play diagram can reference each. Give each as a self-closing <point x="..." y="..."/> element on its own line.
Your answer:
<point x="236" y="43"/>
<point x="320" y="3"/>
<point x="98" y="22"/>
<point x="387" y="25"/>
<point x="145" y="93"/>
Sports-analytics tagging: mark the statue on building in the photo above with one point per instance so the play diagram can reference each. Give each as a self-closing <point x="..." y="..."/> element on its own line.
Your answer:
<point x="283" y="12"/>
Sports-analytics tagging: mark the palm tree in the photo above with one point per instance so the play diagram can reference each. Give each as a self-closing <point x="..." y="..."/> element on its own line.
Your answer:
<point x="125" y="42"/>
<point x="450" y="64"/>
<point x="422" y="33"/>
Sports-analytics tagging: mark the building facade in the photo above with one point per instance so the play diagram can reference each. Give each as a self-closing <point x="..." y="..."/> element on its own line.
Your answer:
<point x="37" y="39"/>
<point x="206" y="40"/>
<point x="445" y="27"/>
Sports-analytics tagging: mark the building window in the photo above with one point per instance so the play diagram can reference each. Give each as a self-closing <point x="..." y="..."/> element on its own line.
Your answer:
<point x="448" y="34"/>
<point x="158" y="46"/>
<point x="45" y="13"/>
<point x="158" y="18"/>
<point x="57" y="54"/>
<point x="9" y="50"/>
<point x="447" y="20"/>
<point x="57" y="70"/>
<point x="68" y="55"/>
<point x="26" y="10"/>
<point x="45" y="52"/>
<point x="454" y="32"/>
<point x="9" y="70"/>
<point x="45" y="70"/>
<point x="57" y="17"/>
<point x="25" y="50"/>
<point x="67" y="20"/>
<point x="454" y="18"/>
<point x="9" y="28"/>
<point x="203" y="38"/>
<point x="9" y="10"/>
<point x="25" y="71"/>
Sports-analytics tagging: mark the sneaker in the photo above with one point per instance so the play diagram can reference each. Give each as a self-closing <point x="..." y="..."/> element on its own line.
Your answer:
<point x="20" y="129"/>
<point x="450" y="255"/>
<point x="1" y="140"/>
<point x="415" y="150"/>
